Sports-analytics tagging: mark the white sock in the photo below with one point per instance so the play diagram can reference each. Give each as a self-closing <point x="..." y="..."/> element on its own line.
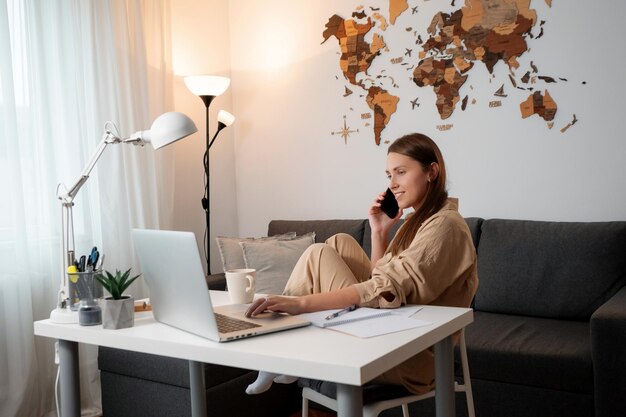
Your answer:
<point x="285" y="379"/>
<point x="264" y="382"/>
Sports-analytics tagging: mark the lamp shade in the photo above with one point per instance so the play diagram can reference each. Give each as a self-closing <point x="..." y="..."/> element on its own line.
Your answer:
<point x="225" y="117"/>
<point x="169" y="127"/>
<point x="207" y="85"/>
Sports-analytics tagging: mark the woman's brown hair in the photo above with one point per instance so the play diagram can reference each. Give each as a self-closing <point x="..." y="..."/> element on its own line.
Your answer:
<point x="424" y="150"/>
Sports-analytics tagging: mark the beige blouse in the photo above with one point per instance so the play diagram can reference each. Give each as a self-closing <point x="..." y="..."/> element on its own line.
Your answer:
<point x="439" y="268"/>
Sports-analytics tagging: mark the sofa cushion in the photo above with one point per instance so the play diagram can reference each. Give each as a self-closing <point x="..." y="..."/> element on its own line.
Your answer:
<point x="274" y="261"/>
<point x="549" y="269"/>
<point x="323" y="228"/>
<point x="474" y="224"/>
<point x="124" y="396"/>
<point x="162" y="369"/>
<point x="230" y="251"/>
<point x="500" y="399"/>
<point x="547" y="353"/>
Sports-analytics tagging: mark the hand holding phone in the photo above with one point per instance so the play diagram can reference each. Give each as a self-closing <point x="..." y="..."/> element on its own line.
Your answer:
<point x="389" y="205"/>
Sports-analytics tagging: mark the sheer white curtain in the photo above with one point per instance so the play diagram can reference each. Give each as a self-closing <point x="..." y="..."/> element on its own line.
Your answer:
<point x="67" y="67"/>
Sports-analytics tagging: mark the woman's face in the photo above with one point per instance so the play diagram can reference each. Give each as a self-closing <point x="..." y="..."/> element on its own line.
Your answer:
<point x="408" y="179"/>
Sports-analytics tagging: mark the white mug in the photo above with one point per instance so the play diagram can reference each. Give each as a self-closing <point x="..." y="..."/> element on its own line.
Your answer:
<point x="241" y="284"/>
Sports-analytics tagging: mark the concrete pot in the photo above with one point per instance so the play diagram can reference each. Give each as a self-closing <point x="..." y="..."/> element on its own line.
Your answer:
<point x="118" y="314"/>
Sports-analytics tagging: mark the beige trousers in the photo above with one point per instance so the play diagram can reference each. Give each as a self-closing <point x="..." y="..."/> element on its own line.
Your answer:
<point x="324" y="267"/>
<point x="339" y="263"/>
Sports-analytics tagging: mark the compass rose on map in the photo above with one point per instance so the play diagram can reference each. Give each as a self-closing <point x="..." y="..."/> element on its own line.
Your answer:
<point x="345" y="131"/>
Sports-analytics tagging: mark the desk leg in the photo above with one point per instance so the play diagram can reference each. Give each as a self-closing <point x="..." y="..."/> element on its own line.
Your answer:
<point x="444" y="378"/>
<point x="197" y="389"/>
<point x="349" y="401"/>
<point x="69" y="378"/>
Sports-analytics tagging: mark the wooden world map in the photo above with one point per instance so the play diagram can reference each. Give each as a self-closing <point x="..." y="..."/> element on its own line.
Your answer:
<point x="480" y="31"/>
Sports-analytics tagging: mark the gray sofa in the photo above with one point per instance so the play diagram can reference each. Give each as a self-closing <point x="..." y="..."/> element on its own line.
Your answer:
<point x="548" y="338"/>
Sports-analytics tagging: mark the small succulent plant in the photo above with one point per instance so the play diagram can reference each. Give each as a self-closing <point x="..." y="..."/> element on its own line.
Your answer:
<point x="116" y="284"/>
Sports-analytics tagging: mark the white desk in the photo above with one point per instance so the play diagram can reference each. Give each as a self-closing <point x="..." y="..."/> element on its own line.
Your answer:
<point x="308" y="352"/>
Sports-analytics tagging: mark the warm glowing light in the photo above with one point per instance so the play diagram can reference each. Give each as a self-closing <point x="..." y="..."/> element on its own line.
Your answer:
<point x="225" y="117"/>
<point x="207" y="85"/>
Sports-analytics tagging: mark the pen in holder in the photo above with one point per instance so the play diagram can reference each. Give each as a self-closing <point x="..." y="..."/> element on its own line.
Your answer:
<point x="83" y="285"/>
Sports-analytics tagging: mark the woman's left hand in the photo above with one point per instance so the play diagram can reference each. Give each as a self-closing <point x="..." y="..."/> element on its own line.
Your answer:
<point x="277" y="304"/>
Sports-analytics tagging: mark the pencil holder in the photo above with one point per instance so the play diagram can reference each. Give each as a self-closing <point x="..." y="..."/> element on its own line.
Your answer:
<point x="83" y="285"/>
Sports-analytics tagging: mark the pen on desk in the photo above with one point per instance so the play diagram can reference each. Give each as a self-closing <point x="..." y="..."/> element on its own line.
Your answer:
<point x="340" y="312"/>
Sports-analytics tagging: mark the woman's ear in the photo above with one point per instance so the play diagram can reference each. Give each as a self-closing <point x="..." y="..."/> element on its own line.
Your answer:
<point x="433" y="171"/>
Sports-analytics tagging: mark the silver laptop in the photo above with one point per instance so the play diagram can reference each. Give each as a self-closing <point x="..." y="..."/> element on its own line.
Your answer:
<point x="172" y="268"/>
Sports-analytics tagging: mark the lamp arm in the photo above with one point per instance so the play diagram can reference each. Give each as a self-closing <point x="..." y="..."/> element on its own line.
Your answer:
<point x="220" y="126"/>
<point x="107" y="139"/>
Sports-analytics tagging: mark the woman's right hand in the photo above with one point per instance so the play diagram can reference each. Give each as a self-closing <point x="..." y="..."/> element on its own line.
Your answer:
<point x="277" y="304"/>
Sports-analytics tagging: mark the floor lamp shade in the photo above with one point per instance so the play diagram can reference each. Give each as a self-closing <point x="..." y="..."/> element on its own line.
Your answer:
<point x="225" y="118"/>
<point x="207" y="85"/>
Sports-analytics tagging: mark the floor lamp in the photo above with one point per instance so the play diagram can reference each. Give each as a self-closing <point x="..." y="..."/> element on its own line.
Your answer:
<point x="207" y="87"/>
<point x="166" y="129"/>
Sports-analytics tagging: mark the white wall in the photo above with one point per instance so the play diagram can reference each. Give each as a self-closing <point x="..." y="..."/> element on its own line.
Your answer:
<point x="200" y="45"/>
<point x="287" y="101"/>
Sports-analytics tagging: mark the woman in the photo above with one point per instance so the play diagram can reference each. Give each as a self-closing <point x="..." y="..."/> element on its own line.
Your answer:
<point x="431" y="260"/>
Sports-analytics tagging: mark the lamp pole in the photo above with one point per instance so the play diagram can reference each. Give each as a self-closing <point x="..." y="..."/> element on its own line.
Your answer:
<point x="207" y="87"/>
<point x="206" y="200"/>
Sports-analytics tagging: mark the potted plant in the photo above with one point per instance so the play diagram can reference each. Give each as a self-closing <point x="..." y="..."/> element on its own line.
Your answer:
<point x="118" y="310"/>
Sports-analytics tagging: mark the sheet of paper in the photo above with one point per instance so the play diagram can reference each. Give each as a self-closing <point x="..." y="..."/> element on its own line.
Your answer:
<point x="406" y="311"/>
<point x="396" y="320"/>
<point x="380" y="326"/>
<point x="318" y="318"/>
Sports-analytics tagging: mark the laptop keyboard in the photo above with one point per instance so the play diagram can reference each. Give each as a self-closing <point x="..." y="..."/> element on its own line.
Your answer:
<point x="227" y="324"/>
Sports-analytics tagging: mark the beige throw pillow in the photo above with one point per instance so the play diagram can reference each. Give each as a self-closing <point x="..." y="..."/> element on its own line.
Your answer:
<point x="230" y="251"/>
<point x="274" y="260"/>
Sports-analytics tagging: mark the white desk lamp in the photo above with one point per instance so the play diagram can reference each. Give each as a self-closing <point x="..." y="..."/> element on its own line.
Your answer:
<point x="166" y="129"/>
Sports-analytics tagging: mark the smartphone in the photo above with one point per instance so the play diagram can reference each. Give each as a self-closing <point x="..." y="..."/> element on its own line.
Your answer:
<point x="389" y="205"/>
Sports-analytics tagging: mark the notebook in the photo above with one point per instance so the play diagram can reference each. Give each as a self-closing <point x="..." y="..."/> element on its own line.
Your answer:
<point x="371" y="322"/>
<point x="172" y="268"/>
<point x="318" y="318"/>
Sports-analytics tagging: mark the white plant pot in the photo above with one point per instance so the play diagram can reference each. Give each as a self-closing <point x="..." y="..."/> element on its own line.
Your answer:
<point x="118" y="314"/>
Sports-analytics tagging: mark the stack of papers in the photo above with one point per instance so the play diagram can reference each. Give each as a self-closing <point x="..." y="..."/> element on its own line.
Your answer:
<point x="369" y="322"/>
